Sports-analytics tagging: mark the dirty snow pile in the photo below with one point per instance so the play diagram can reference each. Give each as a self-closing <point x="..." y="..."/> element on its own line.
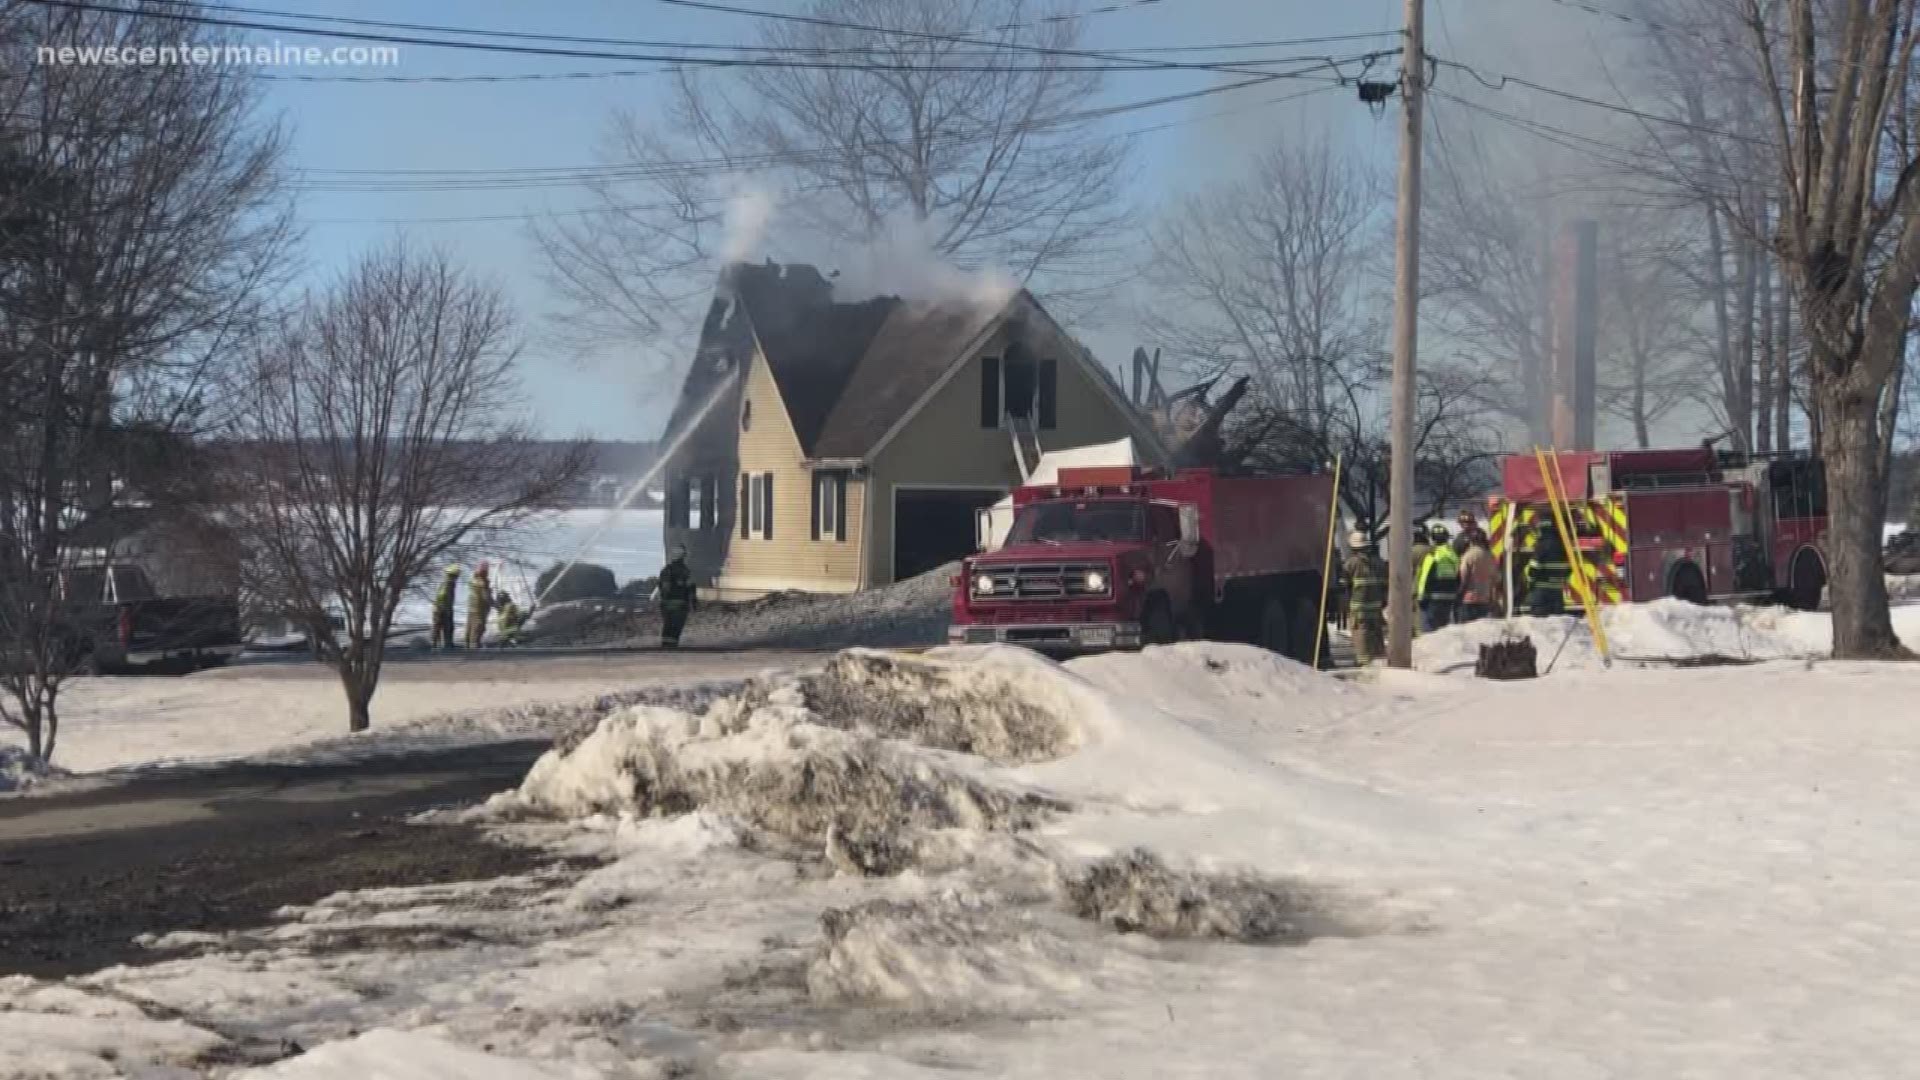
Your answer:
<point x="1658" y="631"/>
<point x="20" y="771"/>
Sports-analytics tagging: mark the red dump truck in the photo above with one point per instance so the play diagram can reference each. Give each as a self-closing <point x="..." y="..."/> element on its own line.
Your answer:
<point x="1124" y="556"/>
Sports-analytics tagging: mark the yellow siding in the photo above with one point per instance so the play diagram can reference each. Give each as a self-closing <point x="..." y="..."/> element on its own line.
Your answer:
<point x="945" y="446"/>
<point x="791" y="559"/>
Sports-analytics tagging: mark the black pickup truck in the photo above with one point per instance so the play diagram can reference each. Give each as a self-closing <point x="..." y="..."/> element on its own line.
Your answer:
<point x="114" y="623"/>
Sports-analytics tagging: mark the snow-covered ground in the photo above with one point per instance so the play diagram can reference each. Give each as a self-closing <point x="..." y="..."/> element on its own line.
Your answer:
<point x="627" y="542"/>
<point x="909" y="867"/>
<point x="298" y="714"/>
<point x="121" y="722"/>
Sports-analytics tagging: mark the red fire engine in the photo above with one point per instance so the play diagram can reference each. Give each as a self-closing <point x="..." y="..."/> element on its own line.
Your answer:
<point x="1694" y="524"/>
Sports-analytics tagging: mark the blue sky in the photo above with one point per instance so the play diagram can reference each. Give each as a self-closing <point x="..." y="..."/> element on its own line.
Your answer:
<point x="346" y="125"/>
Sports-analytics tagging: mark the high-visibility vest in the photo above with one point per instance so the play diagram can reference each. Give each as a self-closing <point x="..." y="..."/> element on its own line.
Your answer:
<point x="1439" y="577"/>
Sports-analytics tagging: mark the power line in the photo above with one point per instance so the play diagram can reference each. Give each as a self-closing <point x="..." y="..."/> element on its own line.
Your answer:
<point x="561" y="76"/>
<point x="409" y="180"/>
<point x="1617" y="16"/>
<point x="594" y="54"/>
<point x="643" y="208"/>
<point x="1621" y="157"/>
<point x="1500" y="81"/>
<point x="988" y="48"/>
<point x="963" y="38"/>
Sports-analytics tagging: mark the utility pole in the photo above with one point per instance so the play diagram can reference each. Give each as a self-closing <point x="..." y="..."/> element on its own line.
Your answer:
<point x="1406" y="333"/>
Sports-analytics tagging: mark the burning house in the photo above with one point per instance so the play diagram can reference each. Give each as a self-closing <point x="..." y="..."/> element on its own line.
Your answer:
<point x="833" y="446"/>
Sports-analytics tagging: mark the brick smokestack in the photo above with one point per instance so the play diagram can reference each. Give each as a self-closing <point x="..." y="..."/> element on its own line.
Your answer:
<point x="1575" y="326"/>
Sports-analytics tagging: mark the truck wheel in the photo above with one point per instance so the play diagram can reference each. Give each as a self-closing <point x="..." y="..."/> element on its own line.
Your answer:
<point x="1808" y="584"/>
<point x="1689" y="586"/>
<point x="1276" y="627"/>
<point x="1156" y="625"/>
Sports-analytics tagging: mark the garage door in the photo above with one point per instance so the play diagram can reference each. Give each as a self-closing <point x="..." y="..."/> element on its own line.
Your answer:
<point x="934" y="526"/>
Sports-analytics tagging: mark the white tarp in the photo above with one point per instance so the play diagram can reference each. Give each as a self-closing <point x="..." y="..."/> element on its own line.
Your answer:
<point x="998" y="519"/>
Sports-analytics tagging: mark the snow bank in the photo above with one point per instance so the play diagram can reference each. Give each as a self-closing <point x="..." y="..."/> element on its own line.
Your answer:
<point x="948" y="954"/>
<point x="1220" y="687"/>
<point x="868" y="760"/>
<point x="1660" y="630"/>
<point x="385" y="1054"/>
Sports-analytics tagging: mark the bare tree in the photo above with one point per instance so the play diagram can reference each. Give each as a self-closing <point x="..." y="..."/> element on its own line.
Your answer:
<point x="1486" y="254"/>
<point x="991" y="166"/>
<point x="1455" y="448"/>
<point x="1271" y="276"/>
<point x="1648" y="366"/>
<point x="378" y="437"/>
<point x="1275" y="277"/>
<point x="142" y="226"/>
<point x="1836" y="84"/>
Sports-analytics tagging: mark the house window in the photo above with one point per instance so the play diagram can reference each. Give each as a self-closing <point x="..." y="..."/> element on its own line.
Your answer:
<point x="756" y="517"/>
<point x="746" y="415"/>
<point x="830" y="505"/>
<point x="1018" y="388"/>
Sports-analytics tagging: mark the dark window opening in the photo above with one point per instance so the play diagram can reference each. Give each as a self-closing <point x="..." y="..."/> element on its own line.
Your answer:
<point x="679" y="500"/>
<point x="1022" y="384"/>
<point x="709" y="503"/>
<point x="746" y="415"/>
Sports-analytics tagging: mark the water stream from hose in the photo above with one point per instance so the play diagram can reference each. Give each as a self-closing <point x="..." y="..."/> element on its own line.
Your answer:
<point x="633" y="492"/>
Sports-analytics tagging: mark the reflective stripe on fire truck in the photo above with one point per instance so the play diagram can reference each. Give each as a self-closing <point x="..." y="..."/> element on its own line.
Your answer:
<point x="1598" y="568"/>
<point x="1497" y="529"/>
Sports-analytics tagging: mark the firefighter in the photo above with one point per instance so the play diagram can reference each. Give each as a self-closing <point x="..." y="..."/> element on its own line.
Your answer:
<point x="511" y="617"/>
<point x="1366" y="597"/>
<point x="1547" y="573"/>
<point x="1470" y="527"/>
<point x="1476" y="577"/>
<point x="442" y="635"/>
<point x="1437" y="585"/>
<point x="1420" y="548"/>
<point x="479" y="600"/>
<point x="676" y="595"/>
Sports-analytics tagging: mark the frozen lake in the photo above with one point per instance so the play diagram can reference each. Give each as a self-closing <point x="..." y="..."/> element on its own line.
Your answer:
<point x="631" y="547"/>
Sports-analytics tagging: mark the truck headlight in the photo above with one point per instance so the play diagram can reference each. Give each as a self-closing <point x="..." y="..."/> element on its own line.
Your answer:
<point x="1096" y="581"/>
<point x="983" y="584"/>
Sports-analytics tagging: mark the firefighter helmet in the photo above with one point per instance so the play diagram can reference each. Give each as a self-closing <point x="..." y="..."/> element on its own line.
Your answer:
<point x="1438" y="533"/>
